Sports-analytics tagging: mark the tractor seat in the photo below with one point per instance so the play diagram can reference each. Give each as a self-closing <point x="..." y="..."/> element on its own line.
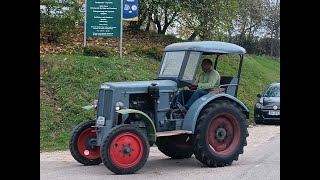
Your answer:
<point x="218" y="90"/>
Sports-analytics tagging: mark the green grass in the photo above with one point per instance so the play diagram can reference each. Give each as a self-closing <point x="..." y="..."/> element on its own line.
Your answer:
<point x="73" y="81"/>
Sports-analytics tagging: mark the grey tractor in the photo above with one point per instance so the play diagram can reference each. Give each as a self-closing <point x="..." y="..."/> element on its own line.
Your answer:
<point x="132" y="116"/>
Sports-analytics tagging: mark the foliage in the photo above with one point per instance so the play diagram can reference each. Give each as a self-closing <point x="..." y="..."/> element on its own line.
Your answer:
<point x="249" y="19"/>
<point x="58" y="18"/>
<point x="266" y="45"/>
<point x="96" y="50"/>
<point x="242" y="22"/>
<point x="152" y="51"/>
<point x="208" y="19"/>
<point x="162" y="12"/>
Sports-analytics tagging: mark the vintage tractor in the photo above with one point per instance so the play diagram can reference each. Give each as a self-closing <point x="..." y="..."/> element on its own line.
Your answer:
<point x="132" y="116"/>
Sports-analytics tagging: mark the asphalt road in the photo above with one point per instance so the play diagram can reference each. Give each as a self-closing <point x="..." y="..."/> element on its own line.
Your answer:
<point x="261" y="160"/>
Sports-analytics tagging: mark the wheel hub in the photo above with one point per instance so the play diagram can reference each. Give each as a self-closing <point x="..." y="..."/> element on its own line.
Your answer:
<point x="126" y="149"/>
<point x="91" y="142"/>
<point x="221" y="134"/>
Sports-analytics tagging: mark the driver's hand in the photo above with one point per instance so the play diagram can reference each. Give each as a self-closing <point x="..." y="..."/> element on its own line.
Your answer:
<point x="194" y="84"/>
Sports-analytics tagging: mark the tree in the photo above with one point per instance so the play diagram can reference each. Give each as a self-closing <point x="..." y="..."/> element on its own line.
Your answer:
<point x="264" y="46"/>
<point x="58" y="18"/>
<point x="272" y="21"/>
<point x="163" y="13"/>
<point x="208" y="19"/>
<point x="249" y="20"/>
<point x="142" y="16"/>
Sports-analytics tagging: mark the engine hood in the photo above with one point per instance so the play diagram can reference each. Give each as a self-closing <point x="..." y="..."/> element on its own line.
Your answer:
<point x="271" y="101"/>
<point x="140" y="86"/>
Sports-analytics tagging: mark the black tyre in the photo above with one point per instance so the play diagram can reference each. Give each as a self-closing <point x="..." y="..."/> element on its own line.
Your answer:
<point x="81" y="144"/>
<point x="258" y="121"/>
<point x="125" y="149"/>
<point x="175" y="147"/>
<point x="220" y="134"/>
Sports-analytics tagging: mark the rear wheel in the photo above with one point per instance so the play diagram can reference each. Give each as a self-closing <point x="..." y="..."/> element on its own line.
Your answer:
<point x="125" y="149"/>
<point x="220" y="134"/>
<point x="82" y="144"/>
<point x="176" y="147"/>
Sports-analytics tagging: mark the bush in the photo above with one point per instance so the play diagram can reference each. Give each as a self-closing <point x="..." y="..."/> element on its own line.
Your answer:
<point x="53" y="28"/>
<point x="260" y="46"/>
<point x="152" y="51"/>
<point x="268" y="44"/>
<point x="96" y="50"/>
<point x="58" y="18"/>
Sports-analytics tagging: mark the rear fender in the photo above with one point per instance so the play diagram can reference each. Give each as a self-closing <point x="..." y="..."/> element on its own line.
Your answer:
<point x="191" y="117"/>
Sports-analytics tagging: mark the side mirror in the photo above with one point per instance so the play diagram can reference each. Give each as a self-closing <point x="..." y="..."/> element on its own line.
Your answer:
<point x="259" y="95"/>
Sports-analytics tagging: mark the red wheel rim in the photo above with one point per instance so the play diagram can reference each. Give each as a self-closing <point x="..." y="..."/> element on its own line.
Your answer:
<point x="83" y="147"/>
<point x="126" y="150"/>
<point x="223" y="134"/>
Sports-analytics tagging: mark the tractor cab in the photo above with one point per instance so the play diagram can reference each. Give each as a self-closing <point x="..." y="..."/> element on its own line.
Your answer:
<point x="181" y="61"/>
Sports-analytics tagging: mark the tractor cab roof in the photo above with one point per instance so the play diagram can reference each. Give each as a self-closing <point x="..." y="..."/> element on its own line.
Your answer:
<point x="207" y="47"/>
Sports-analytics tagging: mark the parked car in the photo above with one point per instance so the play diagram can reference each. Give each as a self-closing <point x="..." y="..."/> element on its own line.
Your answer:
<point x="267" y="108"/>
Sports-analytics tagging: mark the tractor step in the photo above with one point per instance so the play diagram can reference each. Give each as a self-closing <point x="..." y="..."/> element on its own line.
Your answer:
<point x="172" y="133"/>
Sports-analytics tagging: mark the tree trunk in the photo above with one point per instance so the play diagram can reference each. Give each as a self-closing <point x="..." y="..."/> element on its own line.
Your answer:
<point x="148" y="24"/>
<point x="229" y="36"/>
<point x="271" y="53"/>
<point x="132" y="25"/>
<point x="201" y="37"/>
<point x="164" y="29"/>
<point x="193" y="36"/>
<point x="140" y="22"/>
<point x="158" y="26"/>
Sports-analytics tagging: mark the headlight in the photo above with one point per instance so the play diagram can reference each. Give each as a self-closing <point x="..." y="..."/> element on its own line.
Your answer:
<point x="259" y="106"/>
<point x="119" y="105"/>
<point x="95" y="103"/>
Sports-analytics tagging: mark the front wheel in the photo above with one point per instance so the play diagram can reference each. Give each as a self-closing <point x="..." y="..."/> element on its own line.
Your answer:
<point x="220" y="134"/>
<point x="82" y="144"/>
<point x="125" y="149"/>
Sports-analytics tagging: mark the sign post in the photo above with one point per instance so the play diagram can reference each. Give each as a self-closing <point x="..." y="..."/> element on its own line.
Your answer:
<point x="85" y="25"/>
<point x="121" y="29"/>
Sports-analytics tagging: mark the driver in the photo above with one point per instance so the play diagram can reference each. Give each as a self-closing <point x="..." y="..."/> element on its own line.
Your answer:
<point x="208" y="80"/>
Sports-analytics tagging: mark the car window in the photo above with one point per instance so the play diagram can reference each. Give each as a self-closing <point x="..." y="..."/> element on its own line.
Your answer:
<point x="273" y="91"/>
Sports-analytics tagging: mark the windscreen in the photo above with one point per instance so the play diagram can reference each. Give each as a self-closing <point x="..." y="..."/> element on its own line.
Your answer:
<point x="273" y="91"/>
<point x="191" y="67"/>
<point x="172" y="63"/>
